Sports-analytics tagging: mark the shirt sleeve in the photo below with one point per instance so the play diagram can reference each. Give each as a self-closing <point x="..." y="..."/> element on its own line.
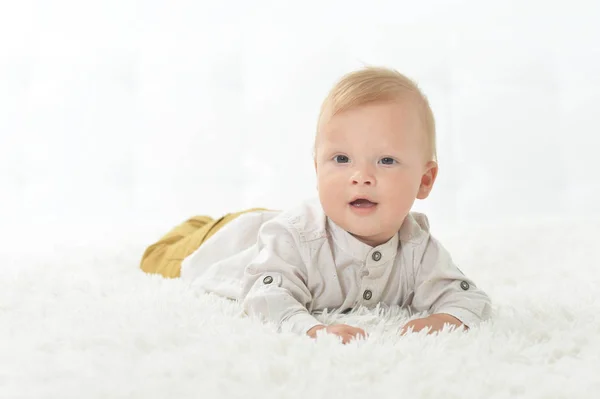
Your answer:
<point x="441" y="287"/>
<point x="274" y="286"/>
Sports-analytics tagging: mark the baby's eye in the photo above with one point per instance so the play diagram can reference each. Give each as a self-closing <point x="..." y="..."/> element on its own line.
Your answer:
<point x="388" y="161"/>
<point x="341" y="159"/>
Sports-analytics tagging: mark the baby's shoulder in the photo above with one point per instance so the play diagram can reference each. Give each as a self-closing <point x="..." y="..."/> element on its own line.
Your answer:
<point x="415" y="228"/>
<point x="307" y="219"/>
<point x="421" y="220"/>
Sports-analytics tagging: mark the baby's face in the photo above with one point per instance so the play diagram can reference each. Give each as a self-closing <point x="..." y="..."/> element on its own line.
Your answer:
<point x="376" y="152"/>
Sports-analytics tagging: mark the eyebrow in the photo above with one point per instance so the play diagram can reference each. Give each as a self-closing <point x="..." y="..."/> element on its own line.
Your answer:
<point x="337" y="146"/>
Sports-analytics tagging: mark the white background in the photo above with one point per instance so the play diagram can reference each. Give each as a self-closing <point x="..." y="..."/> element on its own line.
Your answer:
<point x="122" y="118"/>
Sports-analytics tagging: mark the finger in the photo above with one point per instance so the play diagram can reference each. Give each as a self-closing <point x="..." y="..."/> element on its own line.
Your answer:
<point x="359" y="332"/>
<point x="347" y="338"/>
<point x="353" y="337"/>
<point x="344" y="336"/>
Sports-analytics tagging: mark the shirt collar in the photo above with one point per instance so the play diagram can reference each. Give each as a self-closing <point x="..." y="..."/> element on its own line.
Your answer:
<point x="361" y="251"/>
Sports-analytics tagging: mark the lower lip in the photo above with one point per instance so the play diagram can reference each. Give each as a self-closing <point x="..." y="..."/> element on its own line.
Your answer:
<point x="363" y="210"/>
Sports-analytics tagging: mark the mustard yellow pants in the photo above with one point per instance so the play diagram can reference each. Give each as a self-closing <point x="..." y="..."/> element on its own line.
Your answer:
<point x="165" y="256"/>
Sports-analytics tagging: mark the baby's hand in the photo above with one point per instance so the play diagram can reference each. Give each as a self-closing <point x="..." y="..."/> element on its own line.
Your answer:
<point x="435" y="323"/>
<point x="341" y="330"/>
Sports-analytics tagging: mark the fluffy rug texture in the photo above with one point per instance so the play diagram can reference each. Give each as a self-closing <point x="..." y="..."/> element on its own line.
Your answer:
<point x="85" y="322"/>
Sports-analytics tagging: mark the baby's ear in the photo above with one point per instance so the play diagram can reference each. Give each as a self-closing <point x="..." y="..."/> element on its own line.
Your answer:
<point x="427" y="180"/>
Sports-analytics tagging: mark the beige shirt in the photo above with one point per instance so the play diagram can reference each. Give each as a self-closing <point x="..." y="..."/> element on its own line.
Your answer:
<point x="284" y="265"/>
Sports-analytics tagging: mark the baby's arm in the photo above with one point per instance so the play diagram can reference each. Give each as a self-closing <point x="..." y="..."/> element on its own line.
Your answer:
<point x="275" y="284"/>
<point x="445" y="292"/>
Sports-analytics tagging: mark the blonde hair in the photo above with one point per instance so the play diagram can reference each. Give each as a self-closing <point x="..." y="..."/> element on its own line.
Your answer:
<point x="377" y="84"/>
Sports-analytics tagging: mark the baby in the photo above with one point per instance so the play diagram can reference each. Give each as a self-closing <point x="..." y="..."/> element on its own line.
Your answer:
<point x="358" y="243"/>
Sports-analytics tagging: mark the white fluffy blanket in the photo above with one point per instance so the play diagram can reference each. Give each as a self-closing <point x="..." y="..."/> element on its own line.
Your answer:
<point x="86" y="323"/>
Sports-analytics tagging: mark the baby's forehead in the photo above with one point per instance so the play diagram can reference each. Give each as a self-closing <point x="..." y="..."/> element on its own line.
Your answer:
<point x="398" y="109"/>
<point x="366" y="136"/>
<point x="367" y="140"/>
<point x="396" y="120"/>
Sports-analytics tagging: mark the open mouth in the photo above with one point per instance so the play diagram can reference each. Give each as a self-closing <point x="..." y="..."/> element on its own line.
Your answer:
<point x="363" y="203"/>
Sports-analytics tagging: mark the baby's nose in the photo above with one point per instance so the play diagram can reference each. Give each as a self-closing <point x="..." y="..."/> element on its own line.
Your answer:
<point x="362" y="177"/>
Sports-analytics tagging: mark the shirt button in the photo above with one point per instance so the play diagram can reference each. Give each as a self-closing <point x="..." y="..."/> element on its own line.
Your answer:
<point x="464" y="285"/>
<point x="376" y="256"/>
<point x="367" y="294"/>
<point x="268" y="280"/>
